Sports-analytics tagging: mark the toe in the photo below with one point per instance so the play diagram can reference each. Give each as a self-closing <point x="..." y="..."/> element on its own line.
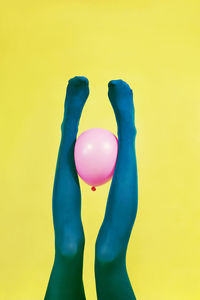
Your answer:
<point x="82" y="79"/>
<point x="123" y="83"/>
<point x="112" y="83"/>
<point x="118" y="82"/>
<point x="79" y="80"/>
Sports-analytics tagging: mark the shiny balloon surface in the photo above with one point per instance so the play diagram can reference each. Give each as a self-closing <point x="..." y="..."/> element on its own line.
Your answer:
<point x="95" y="155"/>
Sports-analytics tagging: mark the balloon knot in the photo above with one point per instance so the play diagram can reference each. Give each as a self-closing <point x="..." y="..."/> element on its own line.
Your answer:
<point x="93" y="188"/>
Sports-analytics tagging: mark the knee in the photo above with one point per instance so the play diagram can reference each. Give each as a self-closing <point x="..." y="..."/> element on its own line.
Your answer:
<point x="70" y="245"/>
<point x="107" y="254"/>
<point x="70" y="249"/>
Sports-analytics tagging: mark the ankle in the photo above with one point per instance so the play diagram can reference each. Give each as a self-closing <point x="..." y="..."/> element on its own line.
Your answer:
<point x="69" y="125"/>
<point x="126" y="130"/>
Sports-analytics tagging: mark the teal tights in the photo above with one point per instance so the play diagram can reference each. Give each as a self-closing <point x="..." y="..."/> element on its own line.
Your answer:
<point x="112" y="281"/>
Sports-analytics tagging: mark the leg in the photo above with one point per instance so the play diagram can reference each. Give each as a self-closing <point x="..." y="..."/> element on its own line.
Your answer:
<point x="112" y="280"/>
<point x="66" y="277"/>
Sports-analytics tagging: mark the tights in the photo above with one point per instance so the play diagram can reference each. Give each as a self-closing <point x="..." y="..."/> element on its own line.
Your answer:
<point x="112" y="281"/>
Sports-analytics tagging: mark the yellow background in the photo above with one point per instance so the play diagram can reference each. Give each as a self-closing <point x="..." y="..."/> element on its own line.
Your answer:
<point x="154" y="46"/>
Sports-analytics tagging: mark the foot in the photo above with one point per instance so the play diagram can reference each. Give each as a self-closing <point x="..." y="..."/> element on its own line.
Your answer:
<point x="121" y="96"/>
<point x="121" y="99"/>
<point x="76" y="96"/>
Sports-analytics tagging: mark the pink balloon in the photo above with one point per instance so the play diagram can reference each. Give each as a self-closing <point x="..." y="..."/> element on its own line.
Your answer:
<point x="95" y="155"/>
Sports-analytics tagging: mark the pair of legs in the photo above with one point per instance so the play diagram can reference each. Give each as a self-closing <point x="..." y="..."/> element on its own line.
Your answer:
<point x="112" y="282"/>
